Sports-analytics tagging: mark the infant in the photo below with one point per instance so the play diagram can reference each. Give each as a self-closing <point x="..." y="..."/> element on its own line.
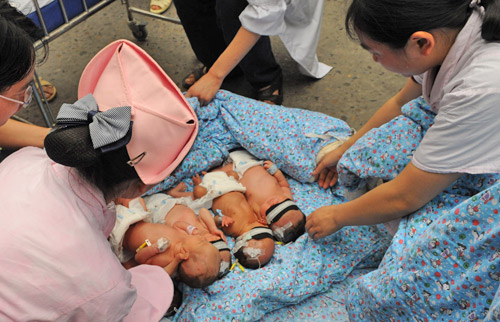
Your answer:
<point x="161" y="214"/>
<point x="254" y="245"/>
<point x="268" y="191"/>
<point x="190" y="258"/>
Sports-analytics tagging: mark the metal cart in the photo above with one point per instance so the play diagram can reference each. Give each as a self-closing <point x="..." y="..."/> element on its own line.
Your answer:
<point x="138" y="29"/>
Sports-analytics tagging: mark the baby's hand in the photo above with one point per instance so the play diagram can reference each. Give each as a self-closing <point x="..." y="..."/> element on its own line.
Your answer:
<point x="227" y="221"/>
<point x="219" y="233"/>
<point x="123" y="201"/>
<point x="268" y="164"/>
<point x="196" y="179"/>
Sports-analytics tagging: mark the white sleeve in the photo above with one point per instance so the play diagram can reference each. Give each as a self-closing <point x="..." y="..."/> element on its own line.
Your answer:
<point x="264" y="17"/>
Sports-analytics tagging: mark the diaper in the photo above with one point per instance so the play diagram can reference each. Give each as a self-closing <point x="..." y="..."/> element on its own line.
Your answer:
<point x="217" y="183"/>
<point x="158" y="206"/>
<point x="125" y="217"/>
<point x="242" y="161"/>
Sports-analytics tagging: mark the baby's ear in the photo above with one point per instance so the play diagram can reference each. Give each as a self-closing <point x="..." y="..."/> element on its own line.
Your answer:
<point x="182" y="253"/>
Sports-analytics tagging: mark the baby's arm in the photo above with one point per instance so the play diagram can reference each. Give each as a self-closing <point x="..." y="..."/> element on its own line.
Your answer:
<point x="151" y="255"/>
<point x="126" y="202"/>
<point x="188" y="228"/>
<point x="279" y="176"/>
<point x="179" y="191"/>
<point x="223" y="221"/>
<point x="209" y="221"/>
<point x="145" y="255"/>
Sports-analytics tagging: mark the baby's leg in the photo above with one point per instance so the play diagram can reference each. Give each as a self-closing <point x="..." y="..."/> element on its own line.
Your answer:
<point x="179" y="191"/>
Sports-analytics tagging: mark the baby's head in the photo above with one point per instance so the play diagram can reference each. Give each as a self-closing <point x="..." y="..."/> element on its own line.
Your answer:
<point x="286" y="221"/>
<point x="202" y="267"/>
<point x="225" y="256"/>
<point x="255" y="248"/>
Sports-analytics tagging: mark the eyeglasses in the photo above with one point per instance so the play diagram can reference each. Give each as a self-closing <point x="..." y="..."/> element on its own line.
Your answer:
<point x="28" y="96"/>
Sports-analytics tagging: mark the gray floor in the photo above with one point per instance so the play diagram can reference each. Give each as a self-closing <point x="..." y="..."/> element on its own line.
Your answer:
<point x="352" y="91"/>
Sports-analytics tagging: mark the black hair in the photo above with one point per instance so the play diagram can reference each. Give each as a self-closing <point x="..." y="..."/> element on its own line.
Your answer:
<point x="109" y="172"/>
<point x="295" y="231"/>
<point x="249" y="261"/>
<point x="393" y="22"/>
<point x="196" y="281"/>
<point x="17" y="54"/>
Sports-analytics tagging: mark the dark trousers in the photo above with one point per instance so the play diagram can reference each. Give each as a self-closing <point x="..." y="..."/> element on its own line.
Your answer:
<point x="210" y="26"/>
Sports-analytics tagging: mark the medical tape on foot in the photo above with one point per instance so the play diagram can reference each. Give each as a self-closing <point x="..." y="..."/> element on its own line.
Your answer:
<point x="253" y="252"/>
<point x="223" y="269"/>
<point x="275" y="212"/>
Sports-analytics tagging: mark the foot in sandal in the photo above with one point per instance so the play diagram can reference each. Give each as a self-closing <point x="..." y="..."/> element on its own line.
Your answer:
<point x="48" y="89"/>
<point x="159" y="6"/>
<point x="273" y="93"/>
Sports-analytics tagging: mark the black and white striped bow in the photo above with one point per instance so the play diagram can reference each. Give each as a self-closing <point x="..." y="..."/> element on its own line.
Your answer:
<point x="109" y="130"/>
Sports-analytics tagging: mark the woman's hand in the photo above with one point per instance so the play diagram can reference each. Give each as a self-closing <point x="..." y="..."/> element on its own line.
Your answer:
<point x="205" y="88"/>
<point x="322" y="222"/>
<point x="326" y="170"/>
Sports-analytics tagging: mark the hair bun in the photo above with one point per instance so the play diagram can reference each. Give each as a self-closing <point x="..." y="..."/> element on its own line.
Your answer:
<point x="71" y="146"/>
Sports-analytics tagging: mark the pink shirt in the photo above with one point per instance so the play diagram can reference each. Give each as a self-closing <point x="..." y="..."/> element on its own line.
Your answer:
<point x="56" y="263"/>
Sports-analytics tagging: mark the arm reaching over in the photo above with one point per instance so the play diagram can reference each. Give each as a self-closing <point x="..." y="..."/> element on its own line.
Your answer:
<point x="15" y="134"/>
<point x="206" y="88"/>
<point x="409" y="191"/>
<point x="326" y="169"/>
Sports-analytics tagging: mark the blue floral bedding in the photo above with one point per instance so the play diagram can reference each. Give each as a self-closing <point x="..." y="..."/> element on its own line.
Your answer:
<point x="304" y="278"/>
<point x="444" y="261"/>
<point x="443" y="264"/>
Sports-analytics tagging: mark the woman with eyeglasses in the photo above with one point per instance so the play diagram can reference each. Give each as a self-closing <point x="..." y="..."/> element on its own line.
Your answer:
<point x="17" y="66"/>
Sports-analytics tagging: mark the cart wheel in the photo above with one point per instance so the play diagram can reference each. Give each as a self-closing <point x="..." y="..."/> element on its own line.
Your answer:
<point x="140" y="34"/>
<point x="138" y="30"/>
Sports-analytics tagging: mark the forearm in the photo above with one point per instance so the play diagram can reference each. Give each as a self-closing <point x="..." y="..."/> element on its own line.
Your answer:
<point x="280" y="177"/>
<point x="409" y="191"/>
<point x="15" y="134"/>
<point x="207" y="218"/>
<point x="241" y="44"/>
